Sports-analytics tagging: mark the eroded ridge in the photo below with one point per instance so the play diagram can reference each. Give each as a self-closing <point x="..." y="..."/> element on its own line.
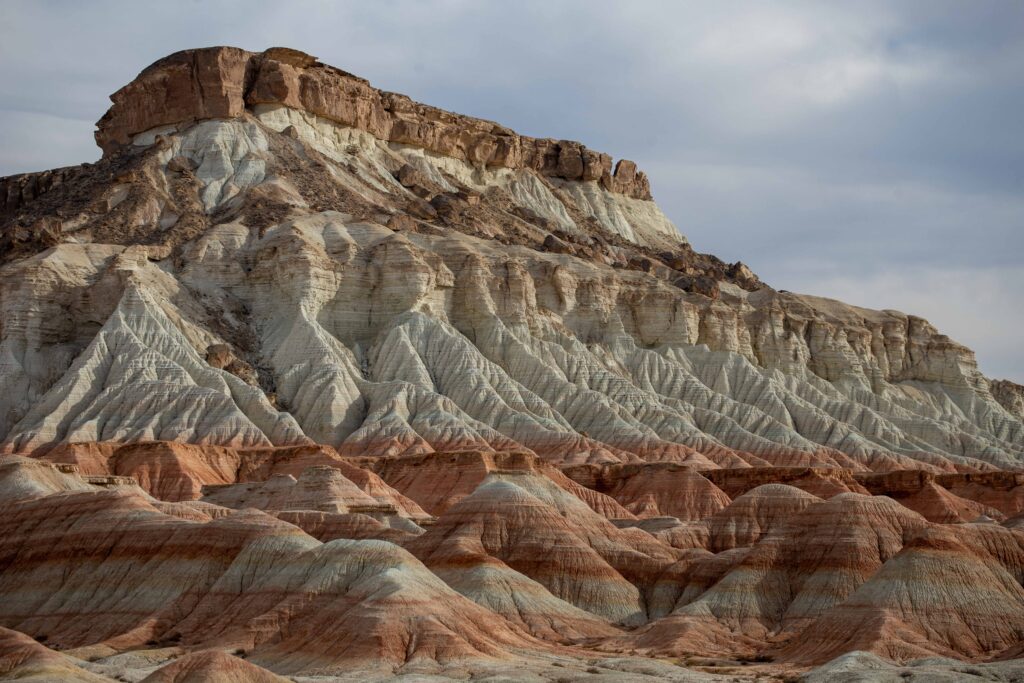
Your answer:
<point x="306" y="379"/>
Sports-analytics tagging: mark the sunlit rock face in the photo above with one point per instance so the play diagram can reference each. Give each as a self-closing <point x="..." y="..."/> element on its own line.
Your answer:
<point x="387" y="278"/>
<point x="310" y="375"/>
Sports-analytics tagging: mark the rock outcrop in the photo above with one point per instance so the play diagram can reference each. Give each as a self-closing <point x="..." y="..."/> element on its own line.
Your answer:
<point x="921" y="492"/>
<point x="1002" y="490"/>
<point x="222" y="82"/>
<point x="173" y="471"/>
<point x="273" y="253"/>
<point x="1010" y="395"/>
<point x="654" y="489"/>
<point x="306" y="379"/>
<point x="24" y="659"/>
<point x="819" y="481"/>
<point x="81" y="568"/>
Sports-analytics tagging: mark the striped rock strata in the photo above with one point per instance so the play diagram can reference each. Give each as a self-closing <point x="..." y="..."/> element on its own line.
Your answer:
<point x="22" y="658"/>
<point x="174" y="471"/>
<point x="323" y="381"/>
<point x="920" y="492"/>
<point x="822" y="482"/>
<point x="854" y="573"/>
<point x="655" y="489"/>
<point x="128" y="590"/>
<point x="83" y="567"/>
<point x="524" y="523"/>
<point x="212" y="666"/>
<point x="437" y="481"/>
<point x="777" y="573"/>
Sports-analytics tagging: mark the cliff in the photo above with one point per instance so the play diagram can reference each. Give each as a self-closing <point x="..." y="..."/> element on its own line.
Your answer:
<point x="304" y="378"/>
<point x="305" y="253"/>
<point x="224" y="82"/>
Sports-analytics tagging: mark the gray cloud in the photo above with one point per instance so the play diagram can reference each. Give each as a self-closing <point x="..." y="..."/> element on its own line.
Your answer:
<point x="870" y="151"/>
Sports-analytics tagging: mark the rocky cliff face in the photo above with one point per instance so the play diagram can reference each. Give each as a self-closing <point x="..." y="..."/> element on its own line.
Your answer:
<point x="397" y="279"/>
<point x="374" y="320"/>
<point x="222" y="83"/>
<point x="1010" y="395"/>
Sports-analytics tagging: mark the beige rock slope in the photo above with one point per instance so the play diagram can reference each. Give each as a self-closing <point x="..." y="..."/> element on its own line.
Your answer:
<point x="395" y="279"/>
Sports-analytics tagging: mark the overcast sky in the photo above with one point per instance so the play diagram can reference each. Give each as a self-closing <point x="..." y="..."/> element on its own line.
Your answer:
<point x="868" y="151"/>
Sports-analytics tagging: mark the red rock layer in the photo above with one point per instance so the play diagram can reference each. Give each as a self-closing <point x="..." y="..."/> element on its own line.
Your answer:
<point x="654" y="490"/>
<point x="174" y="471"/>
<point x="921" y="492"/>
<point x="523" y="557"/>
<point x="105" y="566"/>
<point x="166" y="470"/>
<point x="221" y="82"/>
<point x="212" y="666"/>
<point x="437" y="481"/>
<point x="24" y="659"/>
<point x="1002" y="490"/>
<point x="819" y="481"/>
<point x="952" y="591"/>
<point x="744" y="521"/>
<point x="788" y="579"/>
<point x="539" y="530"/>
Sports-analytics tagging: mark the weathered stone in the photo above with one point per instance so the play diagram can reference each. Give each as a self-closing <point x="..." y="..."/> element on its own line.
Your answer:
<point x="186" y="86"/>
<point x="221" y="82"/>
<point x="420" y="208"/>
<point x="579" y="459"/>
<point x="1010" y="395"/>
<point x="401" y="222"/>
<point x="409" y="176"/>
<point x="556" y="246"/>
<point x="181" y="164"/>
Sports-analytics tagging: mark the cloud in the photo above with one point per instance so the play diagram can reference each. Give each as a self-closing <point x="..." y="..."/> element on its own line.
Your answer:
<point x="858" y="149"/>
<point x="66" y="142"/>
<point x="778" y="213"/>
<point x="979" y="307"/>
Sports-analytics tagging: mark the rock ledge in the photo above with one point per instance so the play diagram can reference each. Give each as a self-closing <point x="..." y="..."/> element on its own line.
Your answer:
<point x="221" y="82"/>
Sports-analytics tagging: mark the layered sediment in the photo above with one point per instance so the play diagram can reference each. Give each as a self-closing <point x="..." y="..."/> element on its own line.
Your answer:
<point x="304" y="378"/>
<point x="221" y="83"/>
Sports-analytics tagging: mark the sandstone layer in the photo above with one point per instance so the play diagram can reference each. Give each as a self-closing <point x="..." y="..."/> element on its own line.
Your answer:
<point x="221" y="83"/>
<point x="306" y="379"/>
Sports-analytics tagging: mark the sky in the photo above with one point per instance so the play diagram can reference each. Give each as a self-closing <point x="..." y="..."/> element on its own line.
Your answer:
<point x="871" y="152"/>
